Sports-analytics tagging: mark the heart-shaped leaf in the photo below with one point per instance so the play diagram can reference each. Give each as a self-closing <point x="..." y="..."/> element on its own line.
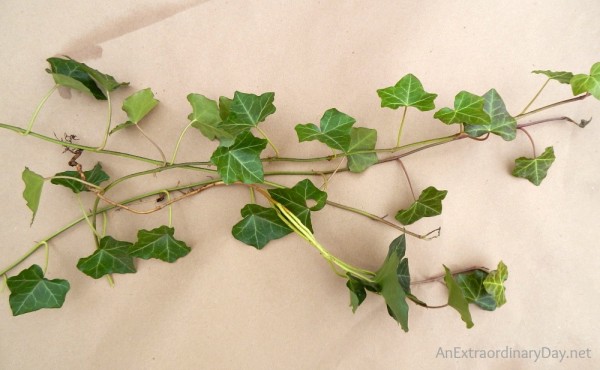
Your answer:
<point x="408" y="92"/>
<point x="111" y="257"/>
<point x="31" y="291"/>
<point x="159" y="243"/>
<point x="429" y="204"/>
<point x="583" y="83"/>
<point x="534" y="169"/>
<point x="259" y="226"/>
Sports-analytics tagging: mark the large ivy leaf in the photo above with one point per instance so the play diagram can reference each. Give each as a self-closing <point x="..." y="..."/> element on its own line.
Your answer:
<point x="158" y="243"/>
<point x="472" y="288"/>
<point x="494" y="283"/>
<point x="241" y="161"/>
<point x="582" y="83"/>
<point x="361" y="139"/>
<point x="334" y="130"/>
<point x="33" y="190"/>
<point x="295" y="199"/>
<point x="560" y="76"/>
<point x="95" y="176"/>
<point x="501" y="122"/>
<point x="408" y="92"/>
<point x="456" y="299"/>
<point x="259" y="226"/>
<point x="468" y="109"/>
<point x="111" y="257"/>
<point x="357" y="292"/>
<point x="534" y="169"/>
<point x="137" y="106"/>
<point x="30" y="291"/>
<point x="206" y="117"/>
<point x="249" y="109"/>
<point x="429" y="204"/>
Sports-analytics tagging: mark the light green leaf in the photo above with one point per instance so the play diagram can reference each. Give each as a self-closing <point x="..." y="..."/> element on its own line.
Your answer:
<point x="247" y="111"/>
<point x="583" y="83"/>
<point x="429" y="204"/>
<point x="534" y="169"/>
<point x="158" y="243"/>
<point x="408" y="92"/>
<point x="391" y="289"/>
<point x="295" y="199"/>
<point x="473" y="290"/>
<point x="456" y="299"/>
<point x="357" y="292"/>
<point x="468" y="109"/>
<point x="361" y="139"/>
<point x="501" y="122"/>
<point x="334" y="131"/>
<point x="112" y="257"/>
<point x="241" y="161"/>
<point x="560" y="76"/>
<point x="494" y="283"/>
<point x="206" y="118"/>
<point x="95" y="176"/>
<point x="259" y="226"/>
<point x="30" y="291"/>
<point x="33" y="190"/>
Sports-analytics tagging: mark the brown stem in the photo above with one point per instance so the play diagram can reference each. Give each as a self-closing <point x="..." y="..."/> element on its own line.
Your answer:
<point x="530" y="139"/>
<point x="582" y="124"/>
<point x="407" y="179"/>
<point x="580" y="97"/>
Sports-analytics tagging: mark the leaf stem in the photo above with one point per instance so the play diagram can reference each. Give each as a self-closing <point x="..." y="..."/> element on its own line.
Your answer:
<point x="407" y="179"/>
<point x="170" y="207"/>
<point x="162" y="154"/>
<point x="566" y="101"/>
<point x="530" y="139"/>
<point x="268" y="140"/>
<point x="401" y="126"/>
<point x="108" y="123"/>
<point x="38" y="109"/>
<point x="535" y="97"/>
<point x="179" y="141"/>
<point x="46" y="256"/>
<point x="87" y="219"/>
<point x="252" y="195"/>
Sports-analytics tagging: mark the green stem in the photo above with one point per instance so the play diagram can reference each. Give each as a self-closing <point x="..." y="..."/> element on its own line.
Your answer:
<point x="38" y="109"/>
<point x="87" y="219"/>
<point x="268" y="140"/>
<point x="535" y="97"/>
<point x="252" y="195"/>
<point x="401" y="126"/>
<point x="109" y="120"/>
<point x="170" y="207"/>
<point x="162" y="154"/>
<point x="566" y="101"/>
<point x="46" y="257"/>
<point x="179" y="141"/>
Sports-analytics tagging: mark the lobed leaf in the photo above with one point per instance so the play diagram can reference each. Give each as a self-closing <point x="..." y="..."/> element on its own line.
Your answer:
<point x="468" y="109"/>
<point x="259" y="226"/>
<point x="494" y="283"/>
<point x="429" y="204"/>
<point x="33" y="190"/>
<point x="583" y="83"/>
<point x="295" y="199"/>
<point x="206" y="117"/>
<point x="534" y="169"/>
<point x="560" y="76"/>
<point x="248" y="110"/>
<point x="501" y="122"/>
<point x="472" y="288"/>
<point x="408" y="92"/>
<point x="111" y="257"/>
<point x="30" y="291"/>
<point x="241" y="161"/>
<point x="95" y="176"/>
<point x="361" y="139"/>
<point x="456" y="299"/>
<point x="334" y="130"/>
<point x="159" y="243"/>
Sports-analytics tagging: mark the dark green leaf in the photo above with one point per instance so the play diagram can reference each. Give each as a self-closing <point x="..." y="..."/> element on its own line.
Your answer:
<point x="429" y="204"/>
<point x="72" y="74"/>
<point x="560" y="76"/>
<point x="30" y="291"/>
<point x="494" y="283"/>
<point x="472" y="288"/>
<point x="206" y="118"/>
<point x="456" y="299"/>
<point x="334" y="131"/>
<point x="158" y="243"/>
<point x="408" y="92"/>
<point x="95" y="176"/>
<point x="534" y="169"/>
<point x="501" y="122"/>
<point x="33" y="190"/>
<point x="357" y="292"/>
<point x="361" y="139"/>
<point x="247" y="111"/>
<point x="259" y="226"/>
<point x="241" y="161"/>
<point x="404" y="275"/>
<point x="112" y="257"/>
<point x="583" y="83"/>
<point x="295" y="199"/>
<point x="468" y="109"/>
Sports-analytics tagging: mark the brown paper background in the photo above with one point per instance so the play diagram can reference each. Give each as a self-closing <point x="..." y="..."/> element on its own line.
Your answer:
<point x="228" y="306"/>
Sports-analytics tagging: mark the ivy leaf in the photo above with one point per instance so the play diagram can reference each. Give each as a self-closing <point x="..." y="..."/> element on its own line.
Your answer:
<point x="95" y="176"/>
<point x="429" y="204"/>
<point x="224" y="107"/>
<point x="582" y="83"/>
<point x="33" y="190"/>
<point x="391" y="289"/>
<point x="534" y="169"/>
<point x="247" y="111"/>
<point x="241" y="161"/>
<point x="259" y="226"/>
<point x="408" y="92"/>
<point x="357" y="292"/>
<point x="404" y="275"/>
<point x="207" y="119"/>
<point x="30" y="291"/>
<point x="112" y="257"/>
<point x="473" y="290"/>
<point x="334" y="130"/>
<point x="468" y="109"/>
<point x="560" y="76"/>
<point x="456" y="299"/>
<point x="494" y="283"/>
<point x="361" y="139"/>
<point x="137" y="106"/>
<point x="501" y="122"/>
<point x="295" y="199"/>
<point x="158" y="243"/>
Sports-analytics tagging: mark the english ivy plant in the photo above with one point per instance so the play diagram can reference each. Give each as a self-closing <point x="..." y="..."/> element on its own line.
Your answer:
<point x="238" y="161"/>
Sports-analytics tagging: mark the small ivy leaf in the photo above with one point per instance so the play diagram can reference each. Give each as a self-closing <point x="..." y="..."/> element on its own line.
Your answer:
<point x="501" y="122"/>
<point x="33" y="190"/>
<point x="494" y="283"/>
<point x="206" y="118"/>
<point x="408" y="92"/>
<point x="361" y="139"/>
<point x="583" y="83"/>
<point x="534" y="169"/>
<point x="295" y="199"/>
<point x="357" y="292"/>
<point x="259" y="226"/>
<point x="137" y="106"/>
<point x="456" y="299"/>
<point x="241" y="161"/>
<point x="224" y="107"/>
<point x="390" y="288"/>
<point x="30" y="291"/>
<point x="95" y="176"/>
<point x="468" y="109"/>
<point x="334" y="131"/>
<point x="112" y="257"/>
<point x="429" y="204"/>
<point x="247" y="111"/>
<point x="560" y="76"/>
<point x="72" y="74"/>
<point x="158" y="243"/>
<point x="472" y="288"/>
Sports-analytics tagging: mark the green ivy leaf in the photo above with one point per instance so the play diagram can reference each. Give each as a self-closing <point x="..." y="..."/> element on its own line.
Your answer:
<point x="473" y="290"/>
<point x="456" y="299"/>
<point x="295" y="199"/>
<point x="111" y="257"/>
<point x="408" y="92"/>
<point x="468" y="109"/>
<point x="357" y="292"/>
<point x="224" y="107"/>
<point x="560" y="76"/>
<point x="207" y="119"/>
<point x="33" y="190"/>
<point x="95" y="176"/>
<point x="259" y="226"/>
<point x="30" y="291"/>
<point x="158" y="243"/>
<point x="241" y="161"/>
<point x="247" y="111"/>
<point x="501" y="122"/>
<point x="137" y="106"/>
<point x="494" y="283"/>
<point x="334" y="131"/>
<point x="429" y="204"/>
<point x="534" y="169"/>
<point x="391" y="289"/>
<point x="583" y="83"/>
<point x="361" y="139"/>
<point x="404" y="275"/>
